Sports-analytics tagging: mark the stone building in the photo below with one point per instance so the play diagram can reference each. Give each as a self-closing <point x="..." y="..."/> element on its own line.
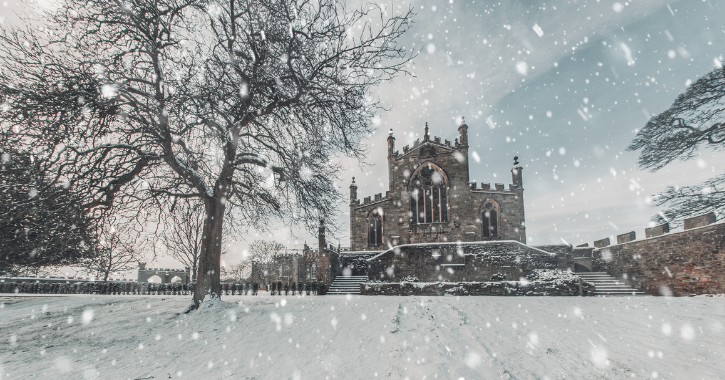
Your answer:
<point x="430" y="199"/>
<point x="165" y="275"/>
<point x="287" y="268"/>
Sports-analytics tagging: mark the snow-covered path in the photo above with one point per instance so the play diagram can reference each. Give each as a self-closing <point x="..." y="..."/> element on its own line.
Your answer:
<point x="359" y="337"/>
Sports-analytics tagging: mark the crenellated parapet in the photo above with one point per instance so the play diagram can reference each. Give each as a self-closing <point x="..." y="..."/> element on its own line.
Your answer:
<point x="377" y="198"/>
<point x="679" y="263"/>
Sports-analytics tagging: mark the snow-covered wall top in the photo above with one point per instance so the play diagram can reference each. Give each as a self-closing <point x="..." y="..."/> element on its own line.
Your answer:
<point x="471" y="261"/>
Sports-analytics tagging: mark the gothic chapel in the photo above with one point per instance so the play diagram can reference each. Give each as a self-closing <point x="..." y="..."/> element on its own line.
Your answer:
<point x="430" y="199"/>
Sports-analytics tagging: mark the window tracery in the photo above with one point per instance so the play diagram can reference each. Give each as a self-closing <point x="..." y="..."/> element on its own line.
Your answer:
<point x="375" y="228"/>
<point x="428" y="196"/>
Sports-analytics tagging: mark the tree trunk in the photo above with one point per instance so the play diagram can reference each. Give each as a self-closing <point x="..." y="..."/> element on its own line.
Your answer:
<point x="208" y="282"/>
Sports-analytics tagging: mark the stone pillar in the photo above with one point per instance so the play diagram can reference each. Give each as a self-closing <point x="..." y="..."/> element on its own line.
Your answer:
<point x="463" y="146"/>
<point x="353" y="202"/>
<point x="463" y="133"/>
<point x="391" y="161"/>
<point x="517" y="178"/>
<point x="516" y="174"/>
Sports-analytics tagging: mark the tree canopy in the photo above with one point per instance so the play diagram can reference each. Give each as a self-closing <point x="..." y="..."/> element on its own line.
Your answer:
<point x="41" y="223"/>
<point x="695" y="120"/>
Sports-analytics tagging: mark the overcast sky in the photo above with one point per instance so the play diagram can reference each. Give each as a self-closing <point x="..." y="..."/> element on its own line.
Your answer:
<point x="563" y="85"/>
<point x="567" y="100"/>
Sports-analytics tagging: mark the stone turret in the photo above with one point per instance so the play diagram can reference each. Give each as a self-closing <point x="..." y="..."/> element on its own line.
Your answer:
<point x="321" y="236"/>
<point x="516" y="174"/>
<point x="391" y="143"/>
<point x="462" y="132"/>
<point x="353" y="191"/>
<point x="391" y="160"/>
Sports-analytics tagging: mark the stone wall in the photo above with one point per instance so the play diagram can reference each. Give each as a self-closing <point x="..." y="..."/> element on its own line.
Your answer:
<point x="678" y="263"/>
<point x="458" y="262"/>
<point x="575" y="259"/>
<point x="503" y="288"/>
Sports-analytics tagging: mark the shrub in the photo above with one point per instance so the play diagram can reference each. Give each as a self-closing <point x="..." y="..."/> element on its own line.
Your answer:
<point x="321" y="289"/>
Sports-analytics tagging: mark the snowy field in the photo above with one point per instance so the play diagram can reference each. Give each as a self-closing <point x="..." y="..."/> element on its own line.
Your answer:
<point x="358" y="337"/>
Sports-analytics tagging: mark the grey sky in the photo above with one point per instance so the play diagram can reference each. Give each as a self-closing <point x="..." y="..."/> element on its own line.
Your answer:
<point x="567" y="103"/>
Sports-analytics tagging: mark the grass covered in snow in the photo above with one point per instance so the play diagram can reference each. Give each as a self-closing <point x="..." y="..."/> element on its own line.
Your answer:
<point x="359" y="337"/>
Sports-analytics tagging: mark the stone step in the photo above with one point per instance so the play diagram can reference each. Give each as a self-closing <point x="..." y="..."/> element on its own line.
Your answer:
<point x="347" y="284"/>
<point x="618" y="293"/>
<point x="606" y="285"/>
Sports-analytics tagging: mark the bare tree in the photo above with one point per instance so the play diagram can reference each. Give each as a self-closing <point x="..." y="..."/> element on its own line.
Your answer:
<point x="696" y="119"/>
<point x="263" y="254"/>
<point x="182" y="234"/>
<point x="116" y="250"/>
<point x="263" y="251"/>
<point x="241" y="104"/>
<point x="240" y="271"/>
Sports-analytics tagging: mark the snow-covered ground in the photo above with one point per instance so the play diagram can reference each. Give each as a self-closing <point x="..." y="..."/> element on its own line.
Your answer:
<point x="359" y="337"/>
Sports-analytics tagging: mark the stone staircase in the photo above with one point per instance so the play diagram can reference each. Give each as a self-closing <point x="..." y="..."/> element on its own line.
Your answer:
<point x="346" y="284"/>
<point x="607" y="285"/>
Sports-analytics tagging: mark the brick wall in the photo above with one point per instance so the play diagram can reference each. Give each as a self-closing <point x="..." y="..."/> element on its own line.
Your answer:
<point x="679" y="263"/>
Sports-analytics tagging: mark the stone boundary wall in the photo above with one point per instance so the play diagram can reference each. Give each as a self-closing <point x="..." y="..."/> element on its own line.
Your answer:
<point x="503" y="288"/>
<point x="679" y="263"/>
<point x="459" y="262"/>
<point x="151" y="288"/>
<point x="575" y="259"/>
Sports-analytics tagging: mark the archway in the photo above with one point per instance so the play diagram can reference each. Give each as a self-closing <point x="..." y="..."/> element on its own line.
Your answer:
<point x="176" y="279"/>
<point x="155" y="279"/>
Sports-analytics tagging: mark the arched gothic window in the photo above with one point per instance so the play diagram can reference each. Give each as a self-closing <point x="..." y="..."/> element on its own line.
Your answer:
<point x="428" y="196"/>
<point x="375" y="228"/>
<point x="489" y="219"/>
<point x="313" y="271"/>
